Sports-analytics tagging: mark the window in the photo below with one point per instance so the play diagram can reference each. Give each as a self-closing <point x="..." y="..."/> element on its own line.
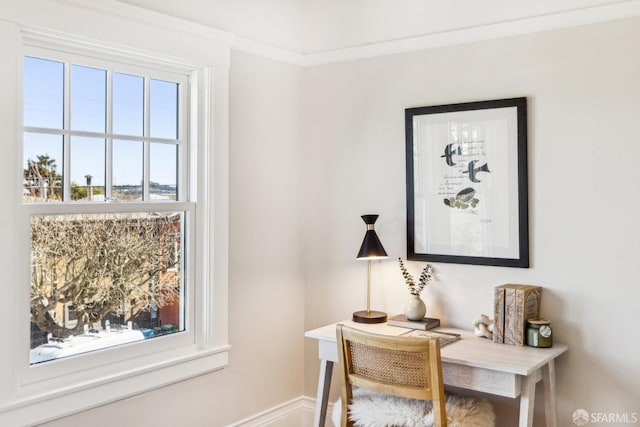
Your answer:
<point x="100" y="280"/>
<point x="119" y="286"/>
<point x="95" y="135"/>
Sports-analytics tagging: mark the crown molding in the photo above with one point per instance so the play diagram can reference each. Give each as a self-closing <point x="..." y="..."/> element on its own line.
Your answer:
<point x="261" y="49"/>
<point x="573" y="18"/>
<point x="146" y="16"/>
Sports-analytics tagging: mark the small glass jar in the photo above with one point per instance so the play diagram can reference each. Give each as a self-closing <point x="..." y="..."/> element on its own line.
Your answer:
<point x="539" y="333"/>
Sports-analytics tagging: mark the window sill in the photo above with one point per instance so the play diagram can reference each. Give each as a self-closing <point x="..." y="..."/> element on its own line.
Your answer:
<point x="33" y="408"/>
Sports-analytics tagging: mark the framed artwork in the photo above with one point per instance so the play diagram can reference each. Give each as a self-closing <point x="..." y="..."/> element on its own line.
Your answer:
<point x="467" y="185"/>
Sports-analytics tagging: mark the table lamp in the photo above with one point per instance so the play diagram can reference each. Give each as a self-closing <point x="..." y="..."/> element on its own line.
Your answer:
<point x="370" y="249"/>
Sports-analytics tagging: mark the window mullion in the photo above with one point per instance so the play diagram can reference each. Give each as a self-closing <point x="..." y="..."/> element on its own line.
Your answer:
<point x="183" y="150"/>
<point x="146" y="173"/>
<point x="66" y="151"/>
<point x="109" y="140"/>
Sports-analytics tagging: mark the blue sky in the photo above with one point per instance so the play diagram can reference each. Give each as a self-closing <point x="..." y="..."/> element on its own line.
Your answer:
<point x="43" y="107"/>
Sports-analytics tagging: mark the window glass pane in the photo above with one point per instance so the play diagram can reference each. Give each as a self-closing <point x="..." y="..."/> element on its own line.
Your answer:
<point x="128" y="104"/>
<point x="163" y="109"/>
<point x="88" y="99"/>
<point x="127" y="170"/>
<point x="102" y="280"/>
<point x="163" y="171"/>
<point x="87" y="168"/>
<point x="42" y="168"/>
<point x="43" y="93"/>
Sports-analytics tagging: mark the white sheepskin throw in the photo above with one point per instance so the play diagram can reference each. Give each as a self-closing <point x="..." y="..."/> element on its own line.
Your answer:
<point x="371" y="409"/>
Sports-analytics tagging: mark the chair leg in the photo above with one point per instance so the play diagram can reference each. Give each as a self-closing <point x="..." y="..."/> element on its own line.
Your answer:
<point x="439" y="413"/>
<point x="347" y="397"/>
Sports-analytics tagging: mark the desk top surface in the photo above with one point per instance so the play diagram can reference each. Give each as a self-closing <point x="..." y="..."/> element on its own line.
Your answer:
<point x="470" y="350"/>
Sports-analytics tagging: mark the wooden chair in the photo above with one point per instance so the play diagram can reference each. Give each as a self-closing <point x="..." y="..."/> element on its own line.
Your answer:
<point x="407" y="367"/>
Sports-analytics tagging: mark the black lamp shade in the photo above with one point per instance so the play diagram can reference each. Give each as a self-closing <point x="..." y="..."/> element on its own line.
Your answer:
<point x="371" y="246"/>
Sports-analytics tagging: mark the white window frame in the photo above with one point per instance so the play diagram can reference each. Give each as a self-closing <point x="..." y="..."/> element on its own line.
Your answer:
<point x="50" y="390"/>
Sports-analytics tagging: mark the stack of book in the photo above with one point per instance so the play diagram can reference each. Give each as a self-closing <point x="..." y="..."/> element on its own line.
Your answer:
<point x="513" y="305"/>
<point x="402" y="321"/>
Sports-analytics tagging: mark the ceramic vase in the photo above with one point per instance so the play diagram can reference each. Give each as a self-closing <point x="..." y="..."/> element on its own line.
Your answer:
<point x="415" y="308"/>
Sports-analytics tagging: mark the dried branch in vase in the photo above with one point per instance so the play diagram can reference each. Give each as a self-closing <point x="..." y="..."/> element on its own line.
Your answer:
<point x="425" y="278"/>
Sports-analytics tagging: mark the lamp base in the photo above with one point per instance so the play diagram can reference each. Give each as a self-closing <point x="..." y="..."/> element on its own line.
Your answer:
<point x="365" y="316"/>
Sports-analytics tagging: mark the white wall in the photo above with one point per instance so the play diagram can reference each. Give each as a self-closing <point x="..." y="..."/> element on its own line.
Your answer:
<point x="583" y="88"/>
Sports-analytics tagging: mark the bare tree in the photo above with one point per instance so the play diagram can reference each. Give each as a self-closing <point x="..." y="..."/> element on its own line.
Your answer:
<point x="98" y="264"/>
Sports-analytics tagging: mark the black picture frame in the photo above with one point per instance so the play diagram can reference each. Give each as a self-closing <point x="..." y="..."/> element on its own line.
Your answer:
<point x="467" y="183"/>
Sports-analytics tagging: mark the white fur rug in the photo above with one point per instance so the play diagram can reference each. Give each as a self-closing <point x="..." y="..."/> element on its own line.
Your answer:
<point x="371" y="409"/>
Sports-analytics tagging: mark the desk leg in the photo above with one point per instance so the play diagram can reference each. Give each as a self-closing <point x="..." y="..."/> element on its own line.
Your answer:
<point x="322" y="397"/>
<point x="549" y="381"/>
<point x="527" y="401"/>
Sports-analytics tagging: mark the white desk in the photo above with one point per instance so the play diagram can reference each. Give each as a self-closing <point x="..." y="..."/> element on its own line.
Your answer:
<point x="473" y="363"/>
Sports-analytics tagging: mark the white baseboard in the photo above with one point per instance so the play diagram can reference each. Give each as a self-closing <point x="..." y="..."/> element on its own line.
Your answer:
<point x="294" y="413"/>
